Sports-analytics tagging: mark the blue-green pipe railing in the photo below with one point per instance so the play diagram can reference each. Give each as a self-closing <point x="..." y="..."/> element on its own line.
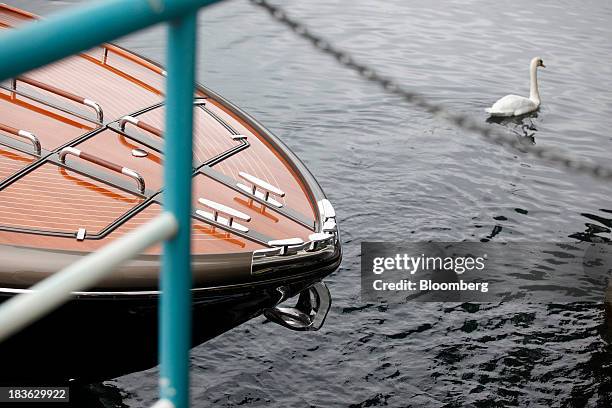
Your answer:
<point x="34" y="45"/>
<point x="82" y="28"/>
<point x="175" y="310"/>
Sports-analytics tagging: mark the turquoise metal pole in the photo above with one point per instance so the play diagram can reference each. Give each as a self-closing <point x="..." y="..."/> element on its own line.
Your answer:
<point x="80" y="28"/>
<point x="176" y="281"/>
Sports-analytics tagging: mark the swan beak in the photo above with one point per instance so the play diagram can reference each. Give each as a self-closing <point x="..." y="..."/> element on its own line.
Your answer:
<point x="542" y="65"/>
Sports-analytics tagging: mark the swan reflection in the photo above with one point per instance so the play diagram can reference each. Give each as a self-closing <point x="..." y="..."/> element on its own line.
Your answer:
<point x="523" y="126"/>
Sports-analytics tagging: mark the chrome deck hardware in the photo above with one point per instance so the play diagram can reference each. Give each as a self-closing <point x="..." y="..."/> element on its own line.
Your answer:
<point x="139" y="153"/>
<point x="225" y="210"/>
<point x="81" y="233"/>
<point x="104" y="163"/>
<point x="139" y="124"/>
<point x="96" y="107"/>
<point x="329" y="225"/>
<point x="65" y="94"/>
<point x="326" y="209"/>
<point x="23" y="133"/>
<point x="319" y="240"/>
<point x="327" y="215"/>
<point x="266" y="252"/>
<point x="261" y="189"/>
<point x="308" y="314"/>
<point x="288" y="246"/>
<point x="127" y="119"/>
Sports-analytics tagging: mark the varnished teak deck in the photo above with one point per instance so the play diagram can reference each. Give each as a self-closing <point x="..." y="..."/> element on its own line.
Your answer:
<point x="44" y="203"/>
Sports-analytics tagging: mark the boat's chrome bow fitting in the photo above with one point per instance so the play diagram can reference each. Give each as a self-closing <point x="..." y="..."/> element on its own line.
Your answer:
<point x="325" y="239"/>
<point x="314" y="302"/>
<point x="309" y="313"/>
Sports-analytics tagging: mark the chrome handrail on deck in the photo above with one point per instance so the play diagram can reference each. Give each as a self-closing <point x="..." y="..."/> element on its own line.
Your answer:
<point x="65" y="94"/>
<point x="139" y="124"/>
<point x="104" y="163"/>
<point x="25" y="134"/>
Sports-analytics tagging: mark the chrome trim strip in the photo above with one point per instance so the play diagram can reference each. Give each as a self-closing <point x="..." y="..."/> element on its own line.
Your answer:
<point x="118" y="293"/>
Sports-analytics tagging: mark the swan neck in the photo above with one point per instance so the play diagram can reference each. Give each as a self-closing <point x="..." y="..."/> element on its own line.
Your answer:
<point x="534" y="93"/>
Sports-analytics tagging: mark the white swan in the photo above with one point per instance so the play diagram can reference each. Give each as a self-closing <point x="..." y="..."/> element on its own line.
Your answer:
<point x="514" y="105"/>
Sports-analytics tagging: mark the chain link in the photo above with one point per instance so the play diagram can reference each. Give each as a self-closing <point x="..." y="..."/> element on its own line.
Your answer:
<point x="462" y="121"/>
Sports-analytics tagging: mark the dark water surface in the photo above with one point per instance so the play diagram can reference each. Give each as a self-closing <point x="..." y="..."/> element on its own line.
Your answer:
<point x="395" y="173"/>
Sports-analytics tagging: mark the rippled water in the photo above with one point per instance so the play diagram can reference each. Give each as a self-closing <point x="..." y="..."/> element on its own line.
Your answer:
<point x="395" y="173"/>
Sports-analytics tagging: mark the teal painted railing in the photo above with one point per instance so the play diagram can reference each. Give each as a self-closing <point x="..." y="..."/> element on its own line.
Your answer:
<point x="59" y="36"/>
